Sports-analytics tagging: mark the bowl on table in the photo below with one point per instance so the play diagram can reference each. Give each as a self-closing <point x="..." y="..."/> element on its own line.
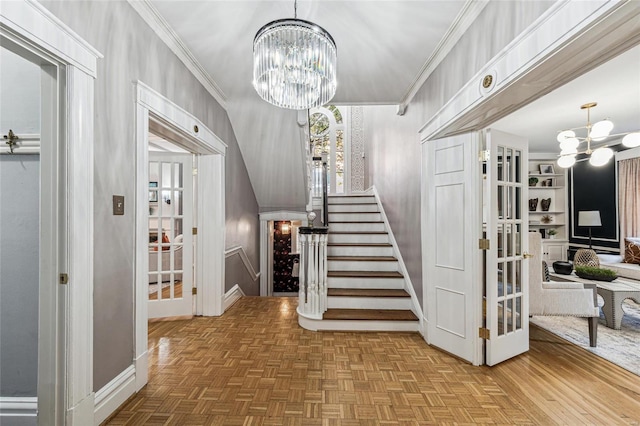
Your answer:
<point x="563" y="268"/>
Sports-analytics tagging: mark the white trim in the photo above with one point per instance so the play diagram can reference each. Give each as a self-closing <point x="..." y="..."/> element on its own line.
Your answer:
<point x="468" y="14"/>
<point x="265" y="267"/>
<point x="245" y="260"/>
<point x="41" y="29"/>
<point x="408" y="286"/>
<point x="114" y="394"/>
<point x="553" y="39"/>
<point x="27" y="144"/>
<point x="209" y="273"/>
<point x="24" y="406"/>
<point x="232" y="296"/>
<point x="628" y="154"/>
<point x="161" y="27"/>
<point x="176" y="118"/>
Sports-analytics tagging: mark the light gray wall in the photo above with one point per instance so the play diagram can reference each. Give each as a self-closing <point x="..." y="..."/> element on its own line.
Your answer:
<point x="19" y="273"/>
<point x="19" y="229"/>
<point x="392" y="142"/>
<point x="133" y="52"/>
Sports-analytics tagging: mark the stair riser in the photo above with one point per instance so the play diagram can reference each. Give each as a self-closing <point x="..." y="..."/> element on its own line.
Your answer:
<point x="350" y="325"/>
<point x="354" y="217"/>
<point x="352" y="200"/>
<point x="358" y="238"/>
<point x="363" y="265"/>
<point x="378" y="283"/>
<point x="359" y="208"/>
<point x="336" y="302"/>
<point x="357" y="227"/>
<point x="360" y="251"/>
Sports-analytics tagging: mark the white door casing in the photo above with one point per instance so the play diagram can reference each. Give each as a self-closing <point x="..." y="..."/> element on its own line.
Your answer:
<point x="507" y="228"/>
<point x="195" y="137"/>
<point x="172" y="217"/>
<point x="451" y="259"/>
<point x="65" y="341"/>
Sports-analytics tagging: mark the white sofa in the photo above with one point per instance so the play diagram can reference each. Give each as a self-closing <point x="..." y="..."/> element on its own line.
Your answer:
<point x="166" y="259"/>
<point x="616" y="263"/>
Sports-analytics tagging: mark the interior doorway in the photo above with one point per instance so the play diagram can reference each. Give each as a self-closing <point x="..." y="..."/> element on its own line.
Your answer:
<point x="171" y="242"/>
<point x="286" y="257"/>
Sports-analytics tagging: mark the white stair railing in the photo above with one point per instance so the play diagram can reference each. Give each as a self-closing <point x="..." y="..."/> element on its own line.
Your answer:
<point x="313" y="272"/>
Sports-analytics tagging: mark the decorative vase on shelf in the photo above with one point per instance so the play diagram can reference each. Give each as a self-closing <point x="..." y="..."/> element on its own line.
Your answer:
<point x="533" y="181"/>
<point x="545" y="203"/>
<point x="533" y="204"/>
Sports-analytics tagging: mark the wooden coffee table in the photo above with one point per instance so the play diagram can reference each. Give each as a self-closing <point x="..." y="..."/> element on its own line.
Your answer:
<point x="613" y="293"/>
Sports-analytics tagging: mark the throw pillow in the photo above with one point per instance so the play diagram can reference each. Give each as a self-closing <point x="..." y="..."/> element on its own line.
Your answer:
<point x="545" y="272"/>
<point x="631" y="251"/>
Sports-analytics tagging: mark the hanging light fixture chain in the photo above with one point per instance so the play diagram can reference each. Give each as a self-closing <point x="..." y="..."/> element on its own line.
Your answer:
<point x="295" y="9"/>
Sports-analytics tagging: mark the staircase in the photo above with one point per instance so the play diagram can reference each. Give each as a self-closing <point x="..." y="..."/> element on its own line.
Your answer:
<point x="365" y="291"/>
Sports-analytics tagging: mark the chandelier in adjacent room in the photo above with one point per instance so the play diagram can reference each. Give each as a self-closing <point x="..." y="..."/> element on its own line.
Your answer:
<point x="569" y="142"/>
<point x="294" y="63"/>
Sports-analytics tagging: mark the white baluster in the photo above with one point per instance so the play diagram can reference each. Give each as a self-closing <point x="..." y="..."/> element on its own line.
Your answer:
<point x="302" y="292"/>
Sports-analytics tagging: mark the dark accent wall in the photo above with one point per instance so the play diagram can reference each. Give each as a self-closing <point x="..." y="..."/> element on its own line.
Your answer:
<point x="594" y="188"/>
<point x="283" y="260"/>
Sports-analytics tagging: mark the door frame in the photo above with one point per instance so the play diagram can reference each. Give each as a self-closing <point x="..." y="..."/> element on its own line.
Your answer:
<point x="65" y="341"/>
<point x="194" y="136"/>
<point x="266" y="249"/>
<point x="568" y="40"/>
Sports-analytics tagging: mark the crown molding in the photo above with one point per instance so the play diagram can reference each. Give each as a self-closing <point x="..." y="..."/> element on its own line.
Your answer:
<point x="467" y="15"/>
<point x="161" y="27"/>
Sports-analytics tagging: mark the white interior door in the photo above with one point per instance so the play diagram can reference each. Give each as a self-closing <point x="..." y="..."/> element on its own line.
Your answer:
<point x="507" y="287"/>
<point x="170" y="236"/>
<point x="451" y="206"/>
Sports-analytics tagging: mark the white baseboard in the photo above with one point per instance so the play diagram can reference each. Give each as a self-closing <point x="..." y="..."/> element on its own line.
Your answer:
<point x="142" y="370"/>
<point x="232" y="297"/>
<point x="114" y="394"/>
<point x="18" y="410"/>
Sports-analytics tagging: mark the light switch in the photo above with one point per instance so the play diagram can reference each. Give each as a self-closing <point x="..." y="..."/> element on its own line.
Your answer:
<point x="118" y="204"/>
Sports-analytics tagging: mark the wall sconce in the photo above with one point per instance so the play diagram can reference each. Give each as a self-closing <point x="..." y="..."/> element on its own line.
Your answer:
<point x="285" y="228"/>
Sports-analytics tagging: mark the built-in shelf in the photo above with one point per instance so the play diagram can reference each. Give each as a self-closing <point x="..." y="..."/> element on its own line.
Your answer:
<point x="546" y="187"/>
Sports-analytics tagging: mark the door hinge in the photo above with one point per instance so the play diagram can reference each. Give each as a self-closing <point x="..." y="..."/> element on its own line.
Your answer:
<point x="195" y="171"/>
<point x="483" y="244"/>
<point x="483" y="155"/>
<point x="194" y="231"/>
<point x="64" y="278"/>
<point x="484" y="333"/>
<point x="194" y="291"/>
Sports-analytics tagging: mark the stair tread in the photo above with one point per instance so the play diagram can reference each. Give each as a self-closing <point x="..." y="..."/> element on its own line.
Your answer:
<point x="351" y="196"/>
<point x="359" y="245"/>
<point x="354" y="212"/>
<point x="365" y="274"/>
<point x="370" y="314"/>
<point x="367" y="292"/>
<point x="351" y="223"/>
<point x="364" y="258"/>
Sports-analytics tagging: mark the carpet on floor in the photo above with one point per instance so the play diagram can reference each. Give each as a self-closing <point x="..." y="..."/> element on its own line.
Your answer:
<point x="621" y="347"/>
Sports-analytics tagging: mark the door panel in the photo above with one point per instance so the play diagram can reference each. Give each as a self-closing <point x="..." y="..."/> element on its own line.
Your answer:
<point x="170" y="236"/>
<point x="452" y="218"/>
<point x="507" y="290"/>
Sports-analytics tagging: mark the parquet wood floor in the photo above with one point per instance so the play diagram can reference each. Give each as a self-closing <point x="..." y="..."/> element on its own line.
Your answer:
<point x="256" y="366"/>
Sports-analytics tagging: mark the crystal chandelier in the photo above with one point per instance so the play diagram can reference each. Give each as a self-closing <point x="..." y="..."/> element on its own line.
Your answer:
<point x="294" y="63"/>
<point x="596" y="132"/>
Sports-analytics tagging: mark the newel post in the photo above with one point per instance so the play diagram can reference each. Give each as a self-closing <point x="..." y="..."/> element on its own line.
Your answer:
<point x="313" y="272"/>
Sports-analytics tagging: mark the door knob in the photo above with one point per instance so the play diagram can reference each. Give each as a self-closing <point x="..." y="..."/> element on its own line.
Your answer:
<point x="527" y="255"/>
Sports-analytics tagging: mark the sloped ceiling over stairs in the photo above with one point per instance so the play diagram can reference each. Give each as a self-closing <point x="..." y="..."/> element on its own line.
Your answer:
<point x="386" y="49"/>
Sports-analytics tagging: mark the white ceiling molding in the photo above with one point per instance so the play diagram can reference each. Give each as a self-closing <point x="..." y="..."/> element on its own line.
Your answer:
<point x="569" y="39"/>
<point x="161" y="27"/>
<point x="460" y="25"/>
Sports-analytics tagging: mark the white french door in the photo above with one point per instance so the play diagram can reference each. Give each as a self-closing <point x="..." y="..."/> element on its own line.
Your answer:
<point x="507" y="287"/>
<point x="170" y="236"/>
<point x="451" y="210"/>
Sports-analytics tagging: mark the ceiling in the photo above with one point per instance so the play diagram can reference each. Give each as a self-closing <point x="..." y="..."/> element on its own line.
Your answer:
<point x="383" y="48"/>
<point x="614" y="85"/>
